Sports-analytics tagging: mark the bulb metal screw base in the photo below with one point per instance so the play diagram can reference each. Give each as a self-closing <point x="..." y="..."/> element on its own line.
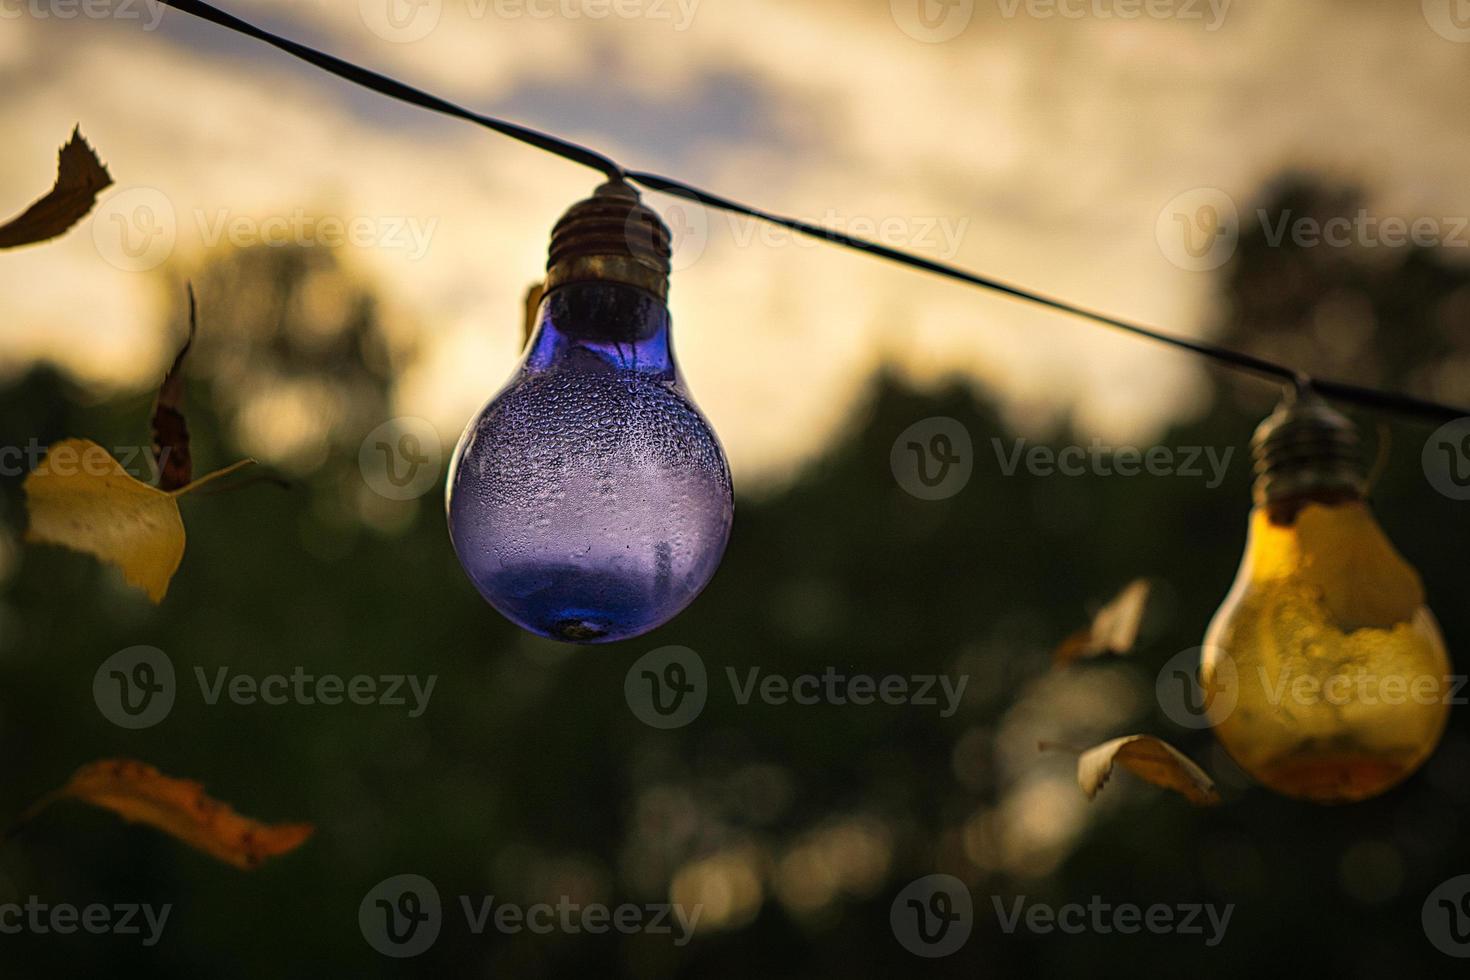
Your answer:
<point x="611" y="236"/>
<point x="1307" y="450"/>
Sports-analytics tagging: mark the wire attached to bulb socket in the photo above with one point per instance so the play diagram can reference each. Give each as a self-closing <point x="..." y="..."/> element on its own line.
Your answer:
<point x="1306" y="451"/>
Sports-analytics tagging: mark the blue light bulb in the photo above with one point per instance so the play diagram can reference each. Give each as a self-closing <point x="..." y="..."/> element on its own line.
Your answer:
<point x="590" y="501"/>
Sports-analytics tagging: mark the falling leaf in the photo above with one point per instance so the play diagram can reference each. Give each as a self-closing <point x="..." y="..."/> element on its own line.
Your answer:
<point x="139" y="793"/>
<point x="1150" y="759"/>
<point x="169" y="429"/>
<point x="81" y="498"/>
<point x="80" y="176"/>
<point x="1114" y="628"/>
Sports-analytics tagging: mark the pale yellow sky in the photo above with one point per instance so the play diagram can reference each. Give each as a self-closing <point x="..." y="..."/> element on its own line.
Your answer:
<point x="1033" y="145"/>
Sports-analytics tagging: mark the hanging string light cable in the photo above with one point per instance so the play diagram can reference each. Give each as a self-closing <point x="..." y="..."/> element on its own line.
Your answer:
<point x="1341" y="391"/>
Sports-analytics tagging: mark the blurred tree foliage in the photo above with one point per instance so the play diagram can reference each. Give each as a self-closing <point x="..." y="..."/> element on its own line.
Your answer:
<point x="528" y="778"/>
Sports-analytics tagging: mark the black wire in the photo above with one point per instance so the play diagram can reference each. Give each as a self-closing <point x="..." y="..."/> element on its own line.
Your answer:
<point x="1245" y="362"/>
<point x="1338" y="390"/>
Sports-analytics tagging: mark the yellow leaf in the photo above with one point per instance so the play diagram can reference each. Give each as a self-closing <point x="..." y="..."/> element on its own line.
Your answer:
<point x="81" y="498"/>
<point x="1114" y="628"/>
<point x="1150" y="759"/>
<point x="139" y="793"/>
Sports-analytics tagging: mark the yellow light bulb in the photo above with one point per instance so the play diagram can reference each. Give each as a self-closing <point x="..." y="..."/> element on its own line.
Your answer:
<point x="1325" y="675"/>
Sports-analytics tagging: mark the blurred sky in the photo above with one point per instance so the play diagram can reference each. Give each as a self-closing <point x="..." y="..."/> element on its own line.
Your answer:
<point x="1033" y="145"/>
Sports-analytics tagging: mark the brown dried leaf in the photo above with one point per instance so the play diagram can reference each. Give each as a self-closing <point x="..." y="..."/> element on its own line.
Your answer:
<point x="80" y="176"/>
<point x="1114" y="628"/>
<point x="139" y="793"/>
<point x="169" y="430"/>
<point x="1150" y="759"/>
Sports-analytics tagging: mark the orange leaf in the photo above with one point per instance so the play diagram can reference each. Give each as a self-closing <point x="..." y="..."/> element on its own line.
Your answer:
<point x="139" y="793"/>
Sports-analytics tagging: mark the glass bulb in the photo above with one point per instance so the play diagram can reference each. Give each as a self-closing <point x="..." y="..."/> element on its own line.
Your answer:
<point x="1325" y="676"/>
<point x="590" y="501"/>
